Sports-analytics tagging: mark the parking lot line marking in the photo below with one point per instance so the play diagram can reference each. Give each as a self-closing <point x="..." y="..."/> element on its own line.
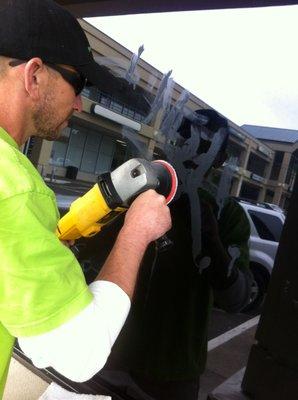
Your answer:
<point x="225" y="337"/>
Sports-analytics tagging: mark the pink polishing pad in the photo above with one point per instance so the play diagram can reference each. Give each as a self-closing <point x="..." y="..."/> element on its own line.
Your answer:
<point x="174" y="179"/>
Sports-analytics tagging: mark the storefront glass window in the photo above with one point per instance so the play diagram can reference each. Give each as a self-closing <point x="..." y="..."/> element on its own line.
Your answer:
<point x="90" y="154"/>
<point x="58" y="154"/>
<point x="105" y="156"/>
<point x="76" y="147"/>
<point x="278" y="159"/>
<point x="59" y="150"/>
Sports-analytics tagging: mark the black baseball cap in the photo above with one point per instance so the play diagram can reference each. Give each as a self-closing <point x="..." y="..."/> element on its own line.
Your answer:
<point x="42" y="28"/>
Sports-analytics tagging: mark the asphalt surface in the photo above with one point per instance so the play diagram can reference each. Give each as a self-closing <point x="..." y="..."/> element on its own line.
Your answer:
<point x="222" y="322"/>
<point x="225" y="361"/>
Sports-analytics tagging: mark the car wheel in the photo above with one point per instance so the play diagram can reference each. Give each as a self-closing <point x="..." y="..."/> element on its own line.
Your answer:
<point x="258" y="291"/>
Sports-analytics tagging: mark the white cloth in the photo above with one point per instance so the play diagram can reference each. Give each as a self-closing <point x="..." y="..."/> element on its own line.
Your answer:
<point x="55" y="392"/>
<point x="79" y="348"/>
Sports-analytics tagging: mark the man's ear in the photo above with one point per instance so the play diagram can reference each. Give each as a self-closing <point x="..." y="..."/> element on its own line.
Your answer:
<point x="34" y="77"/>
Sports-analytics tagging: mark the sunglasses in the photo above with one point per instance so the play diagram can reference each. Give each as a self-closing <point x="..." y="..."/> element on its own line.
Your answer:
<point x="75" y="79"/>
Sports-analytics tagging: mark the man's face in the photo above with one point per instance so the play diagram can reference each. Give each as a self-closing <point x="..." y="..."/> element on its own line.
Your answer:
<point x="58" y="102"/>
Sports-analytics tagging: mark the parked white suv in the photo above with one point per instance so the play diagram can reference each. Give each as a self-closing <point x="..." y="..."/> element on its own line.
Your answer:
<point x="266" y="227"/>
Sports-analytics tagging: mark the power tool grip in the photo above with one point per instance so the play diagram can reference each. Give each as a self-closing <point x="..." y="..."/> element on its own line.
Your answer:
<point x="163" y="243"/>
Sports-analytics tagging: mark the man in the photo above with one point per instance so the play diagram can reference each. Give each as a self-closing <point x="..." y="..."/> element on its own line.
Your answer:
<point x="44" y="300"/>
<point x="162" y="349"/>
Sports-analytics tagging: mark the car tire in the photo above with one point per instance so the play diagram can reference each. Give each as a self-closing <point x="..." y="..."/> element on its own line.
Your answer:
<point x="259" y="289"/>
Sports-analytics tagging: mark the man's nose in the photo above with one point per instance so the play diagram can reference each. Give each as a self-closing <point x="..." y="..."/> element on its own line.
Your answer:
<point x="78" y="105"/>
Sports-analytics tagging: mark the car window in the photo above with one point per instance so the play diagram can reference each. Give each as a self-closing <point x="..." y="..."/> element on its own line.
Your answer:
<point x="268" y="226"/>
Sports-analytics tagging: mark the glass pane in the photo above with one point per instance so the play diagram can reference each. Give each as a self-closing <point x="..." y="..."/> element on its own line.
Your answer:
<point x="268" y="226"/>
<point x="164" y="338"/>
<point x="116" y="107"/>
<point x="89" y="161"/>
<point x="105" y="101"/>
<point x="119" y="155"/>
<point x="74" y="157"/>
<point x="76" y="146"/>
<point x="103" y="164"/>
<point x="107" y="146"/>
<point x="86" y="92"/>
<point x="93" y="141"/>
<point x="77" y="138"/>
<point x="256" y="164"/>
<point x="58" y="153"/>
<point x="65" y="134"/>
<point x="105" y="156"/>
<point x="91" y="151"/>
<point x="278" y="158"/>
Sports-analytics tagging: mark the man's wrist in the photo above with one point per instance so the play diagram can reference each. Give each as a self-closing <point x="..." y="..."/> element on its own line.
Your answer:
<point x="129" y="238"/>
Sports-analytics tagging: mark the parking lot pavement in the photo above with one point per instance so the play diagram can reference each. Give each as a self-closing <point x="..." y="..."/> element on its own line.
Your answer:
<point x="228" y="357"/>
<point x="222" y="321"/>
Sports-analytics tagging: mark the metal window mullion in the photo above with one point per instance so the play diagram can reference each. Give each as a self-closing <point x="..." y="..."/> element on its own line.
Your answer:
<point x="83" y="152"/>
<point x="98" y="152"/>
<point x="69" y="140"/>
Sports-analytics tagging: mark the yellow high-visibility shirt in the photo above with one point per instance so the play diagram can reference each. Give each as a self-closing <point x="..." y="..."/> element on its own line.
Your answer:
<point x="41" y="283"/>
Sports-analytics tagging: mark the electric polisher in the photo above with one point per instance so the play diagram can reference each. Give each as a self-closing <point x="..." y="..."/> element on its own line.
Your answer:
<point x="113" y="194"/>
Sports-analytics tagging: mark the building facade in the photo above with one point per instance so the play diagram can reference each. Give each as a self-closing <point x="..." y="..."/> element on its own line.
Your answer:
<point x="128" y="100"/>
<point x="284" y="168"/>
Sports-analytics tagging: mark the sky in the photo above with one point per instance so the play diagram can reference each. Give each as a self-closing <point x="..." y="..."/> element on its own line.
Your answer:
<point x="242" y="62"/>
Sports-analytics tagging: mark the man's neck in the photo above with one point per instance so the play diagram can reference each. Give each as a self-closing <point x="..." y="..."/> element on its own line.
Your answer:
<point x="13" y="118"/>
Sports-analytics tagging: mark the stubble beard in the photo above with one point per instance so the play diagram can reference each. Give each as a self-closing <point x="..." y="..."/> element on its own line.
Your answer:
<point x="45" y="121"/>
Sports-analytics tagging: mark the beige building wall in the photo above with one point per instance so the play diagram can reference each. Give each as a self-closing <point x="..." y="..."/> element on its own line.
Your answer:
<point x="105" y="49"/>
<point x="279" y="187"/>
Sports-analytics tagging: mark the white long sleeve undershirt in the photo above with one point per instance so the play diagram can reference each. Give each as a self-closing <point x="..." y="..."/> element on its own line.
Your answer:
<point x="79" y="348"/>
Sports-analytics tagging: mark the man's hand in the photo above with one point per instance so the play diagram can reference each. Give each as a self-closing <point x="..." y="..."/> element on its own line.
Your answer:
<point x="148" y="218"/>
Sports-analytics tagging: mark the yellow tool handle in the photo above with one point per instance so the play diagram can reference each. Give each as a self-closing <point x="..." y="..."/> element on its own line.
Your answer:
<point x="82" y="217"/>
